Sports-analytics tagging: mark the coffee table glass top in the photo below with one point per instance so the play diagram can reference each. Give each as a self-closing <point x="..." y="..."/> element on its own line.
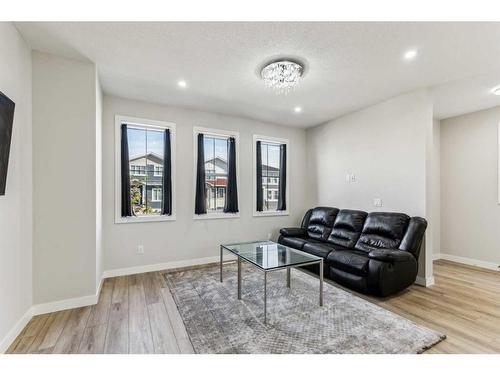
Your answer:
<point x="270" y="255"/>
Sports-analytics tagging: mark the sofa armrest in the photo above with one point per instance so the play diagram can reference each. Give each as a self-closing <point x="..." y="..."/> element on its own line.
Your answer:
<point x="389" y="255"/>
<point x="293" y="232"/>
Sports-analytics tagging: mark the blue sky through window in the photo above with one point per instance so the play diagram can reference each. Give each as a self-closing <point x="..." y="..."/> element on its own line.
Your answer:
<point x="143" y="141"/>
<point x="270" y="154"/>
<point x="215" y="147"/>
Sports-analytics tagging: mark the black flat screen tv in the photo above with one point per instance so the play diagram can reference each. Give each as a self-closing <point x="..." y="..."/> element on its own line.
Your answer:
<point x="6" y="120"/>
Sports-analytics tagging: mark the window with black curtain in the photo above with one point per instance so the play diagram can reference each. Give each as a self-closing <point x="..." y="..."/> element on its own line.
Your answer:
<point x="148" y="158"/>
<point x="217" y="169"/>
<point x="270" y="176"/>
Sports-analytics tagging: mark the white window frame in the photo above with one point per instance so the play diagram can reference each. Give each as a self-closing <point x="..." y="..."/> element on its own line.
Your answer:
<point x="216" y="133"/>
<point x="139" y="168"/>
<point x="278" y="141"/>
<point x="155" y="173"/>
<point x="153" y="194"/>
<point x="145" y="123"/>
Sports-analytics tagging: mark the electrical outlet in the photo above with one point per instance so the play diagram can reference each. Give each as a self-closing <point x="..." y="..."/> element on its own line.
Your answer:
<point x="140" y="249"/>
<point x="377" y="202"/>
<point x="353" y="177"/>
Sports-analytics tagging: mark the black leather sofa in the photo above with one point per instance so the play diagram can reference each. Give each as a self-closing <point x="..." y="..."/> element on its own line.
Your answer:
<point x="374" y="253"/>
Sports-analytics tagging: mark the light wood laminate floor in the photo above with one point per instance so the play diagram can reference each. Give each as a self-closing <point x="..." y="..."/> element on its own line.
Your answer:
<point x="136" y="314"/>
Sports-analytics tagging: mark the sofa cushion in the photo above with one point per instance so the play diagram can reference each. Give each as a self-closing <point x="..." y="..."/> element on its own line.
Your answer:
<point x="351" y="261"/>
<point x="347" y="228"/>
<point x="293" y="232"/>
<point x="319" y="249"/>
<point x="293" y="242"/>
<point x="382" y="230"/>
<point x="321" y="222"/>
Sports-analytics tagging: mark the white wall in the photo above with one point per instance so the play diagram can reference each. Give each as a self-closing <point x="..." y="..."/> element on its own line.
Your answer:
<point x="470" y="213"/>
<point x="64" y="147"/>
<point x="386" y="146"/>
<point x="186" y="238"/>
<point x="98" y="184"/>
<point x="15" y="205"/>
<point x="435" y="199"/>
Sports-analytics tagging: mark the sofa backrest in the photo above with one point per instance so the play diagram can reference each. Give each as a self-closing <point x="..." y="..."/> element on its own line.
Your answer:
<point x="321" y="221"/>
<point x="382" y="230"/>
<point x="305" y="220"/>
<point x="347" y="228"/>
<point x="412" y="240"/>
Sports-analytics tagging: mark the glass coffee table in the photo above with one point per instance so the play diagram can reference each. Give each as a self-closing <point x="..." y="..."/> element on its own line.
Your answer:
<point x="269" y="256"/>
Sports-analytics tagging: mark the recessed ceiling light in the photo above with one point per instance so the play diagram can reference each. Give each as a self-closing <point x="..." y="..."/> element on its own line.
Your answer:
<point x="182" y="84"/>
<point x="410" y="54"/>
<point x="496" y="91"/>
<point x="297" y="109"/>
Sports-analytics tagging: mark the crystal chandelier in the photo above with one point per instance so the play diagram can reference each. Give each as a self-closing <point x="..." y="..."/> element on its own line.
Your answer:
<point x="282" y="76"/>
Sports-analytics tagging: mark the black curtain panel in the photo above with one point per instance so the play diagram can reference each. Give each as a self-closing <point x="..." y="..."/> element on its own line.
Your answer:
<point x="282" y="182"/>
<point x="259" y="193"/>
<point x="167" y="175"/>
<point x="125" y="174"/>
<point x="232" y="188"/>
<point x="200" y="205"/>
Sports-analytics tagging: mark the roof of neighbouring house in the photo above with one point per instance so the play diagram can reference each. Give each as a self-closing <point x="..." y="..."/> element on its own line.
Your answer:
<point x="150" y="156"/>
<point x="222" y="163"/>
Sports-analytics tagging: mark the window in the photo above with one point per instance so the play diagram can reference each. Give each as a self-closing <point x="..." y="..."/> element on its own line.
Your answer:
<point x="158" y="170"/>
<point x="146" y="141"/>
<point x="137" y="170"/>
<point x="156" y="195"/>
<point x="216" y="153"/>
<point x="215" y="172"/>
<point x="271" y="172"/>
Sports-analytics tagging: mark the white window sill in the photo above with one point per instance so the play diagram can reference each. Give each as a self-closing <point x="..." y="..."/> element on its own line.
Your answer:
<point x="216" y="216"/>
<point x="143" y="219"/>
<point x="270" y="213"/>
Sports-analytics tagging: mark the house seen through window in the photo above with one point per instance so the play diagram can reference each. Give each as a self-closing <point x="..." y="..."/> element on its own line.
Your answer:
<point x="270" y="175"/>
<point x="216" y="157"/>
<point x="146" y="169"/>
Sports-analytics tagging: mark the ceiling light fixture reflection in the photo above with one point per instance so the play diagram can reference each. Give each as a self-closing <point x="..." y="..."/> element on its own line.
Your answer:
<point x="410" y="55"/>
<point x="182" y="84"/>
<point x="496" y="91"/>
<point x="297" y="109"/>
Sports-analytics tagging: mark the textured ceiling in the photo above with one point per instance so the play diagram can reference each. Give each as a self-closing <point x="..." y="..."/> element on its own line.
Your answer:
<point x="349" y="65"/>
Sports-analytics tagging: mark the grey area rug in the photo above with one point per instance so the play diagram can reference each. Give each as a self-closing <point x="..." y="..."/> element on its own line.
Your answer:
<point x="217" y="322"/>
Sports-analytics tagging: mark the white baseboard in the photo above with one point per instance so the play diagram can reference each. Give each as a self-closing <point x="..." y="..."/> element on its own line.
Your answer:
<point x="159" y="266"/>
<point x="72" y="303"/>
<point x="469" y="261"/>
<point x="425" y="281"/>
<point x="16" y="330"/>
<point x="65" y="304"/>
<point x="47" y="308"/>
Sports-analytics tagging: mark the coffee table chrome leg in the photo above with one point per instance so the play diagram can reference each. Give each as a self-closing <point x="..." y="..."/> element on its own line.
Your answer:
<point x="265" y="297"/>
<point x="221" y="264"/>
<point x="239" y="278"/>
<point x="288" y="270"/>
<point x="321" y="283"/>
